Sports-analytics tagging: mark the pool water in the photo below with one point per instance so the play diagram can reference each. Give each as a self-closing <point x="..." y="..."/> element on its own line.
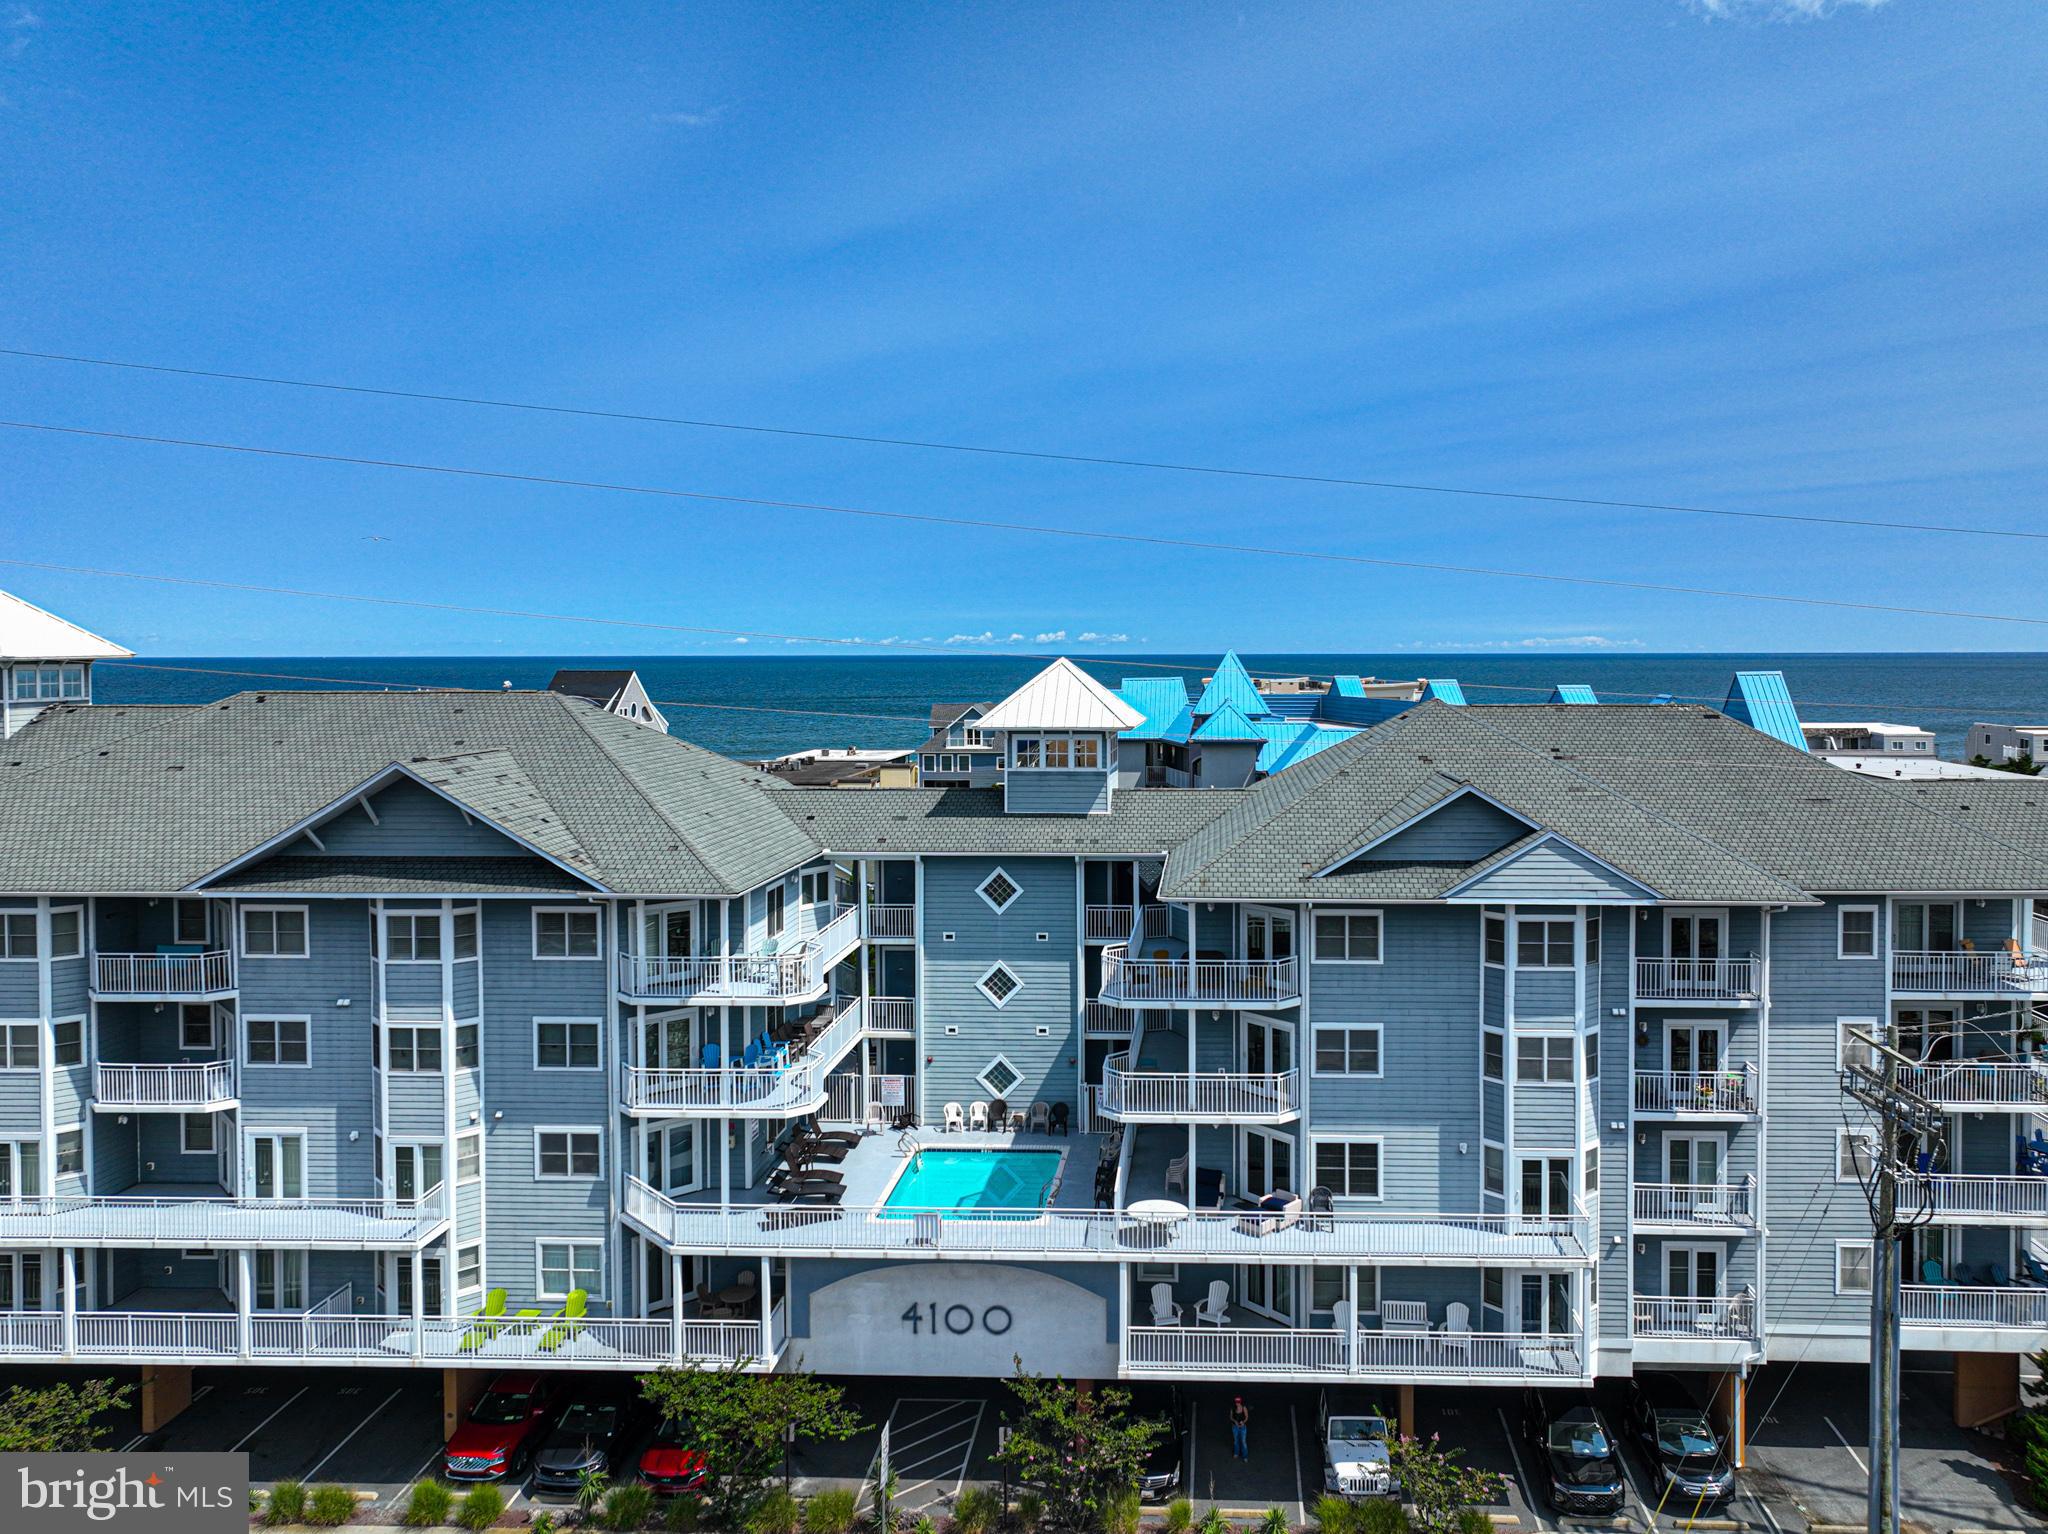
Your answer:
<point x="965" y="1180"/>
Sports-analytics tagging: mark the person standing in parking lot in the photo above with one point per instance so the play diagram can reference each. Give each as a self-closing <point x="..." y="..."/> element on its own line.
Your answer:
<point x="1240" y="1429"/>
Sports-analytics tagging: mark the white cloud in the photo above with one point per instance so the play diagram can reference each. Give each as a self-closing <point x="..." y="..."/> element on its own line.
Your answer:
<point x="708" y="118"/>
<point x="987" y="636"/>
<point x="1051" y="636"/>
<point x="739" y="639"/>
<point x="1014" y="639"/>
<point x="1091" y="637"/>
<point x="1777" y="10"/>
<point x="1540" y="642"/>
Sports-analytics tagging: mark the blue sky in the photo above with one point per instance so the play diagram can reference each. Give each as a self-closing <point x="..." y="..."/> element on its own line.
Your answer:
<point x="1774" y="257"/>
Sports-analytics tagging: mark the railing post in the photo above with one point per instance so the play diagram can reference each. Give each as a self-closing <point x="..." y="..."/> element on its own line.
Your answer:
<point x="244" y="1293"/>
<point x="418" y="1303"/>
<point x="66" y="1258"/>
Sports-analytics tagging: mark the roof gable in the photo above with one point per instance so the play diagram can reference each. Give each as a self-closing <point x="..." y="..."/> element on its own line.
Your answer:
<point x="1226" y="724"/>
<point x="1230" y="687"/>
<point x="1550" y="870"/>
<point x="1463" y="827"/>
<point x="29" y="633"/>
<point x="1062" y="697"/>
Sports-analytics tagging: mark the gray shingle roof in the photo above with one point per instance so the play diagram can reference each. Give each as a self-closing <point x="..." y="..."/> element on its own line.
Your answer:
<point x="289" y="874"/>
<point x="1146" y="821"/>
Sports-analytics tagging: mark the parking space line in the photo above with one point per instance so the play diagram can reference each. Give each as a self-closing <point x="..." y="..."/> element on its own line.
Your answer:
<point x="951" y="1427"/>
<point x="1300" y="1502"/>
<point x="351" y="1433"/>
<point x="1765" y="1508"/>
<point x="1515" y="1449"/>
<point x="259" y="1427"/>
<point x="943" y="1408"/>
<point x="1830" y="1421"/>
<point x="945" y="1455"/>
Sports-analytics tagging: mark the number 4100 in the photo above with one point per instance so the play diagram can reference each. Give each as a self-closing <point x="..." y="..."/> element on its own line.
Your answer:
<point x="956" y="1319"/>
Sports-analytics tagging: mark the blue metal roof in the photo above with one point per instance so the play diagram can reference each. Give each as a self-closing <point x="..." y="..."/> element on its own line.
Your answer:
<point x="1348" y="687"/>
<point x="1231" y="684"/>
<point x="1572" y="692"/>
<point x="1163" y="700"/>
<point x="1227" y="723"/>
<point x="1761" y="700"/>
<point x="1445" y="690"/>
<point x="1289" y="741"/>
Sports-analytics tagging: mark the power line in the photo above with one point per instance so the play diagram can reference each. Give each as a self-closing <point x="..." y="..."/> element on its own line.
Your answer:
<point x="983" y="450"/>
<point x="1099" y="535"/>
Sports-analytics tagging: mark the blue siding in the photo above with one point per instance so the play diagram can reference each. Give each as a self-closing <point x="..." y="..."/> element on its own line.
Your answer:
<point x="1553" y="872"/>
<point x="1463" y="829"/>
<point x="1056" y="793"/>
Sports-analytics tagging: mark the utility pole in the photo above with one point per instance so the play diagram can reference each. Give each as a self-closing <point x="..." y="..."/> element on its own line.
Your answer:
<point x="1908" y="1126"/>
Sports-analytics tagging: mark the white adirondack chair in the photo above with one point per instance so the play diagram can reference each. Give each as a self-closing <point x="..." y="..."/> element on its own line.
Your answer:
<point x="1215" y="1310"/>
<point x="1164" y="1311"/>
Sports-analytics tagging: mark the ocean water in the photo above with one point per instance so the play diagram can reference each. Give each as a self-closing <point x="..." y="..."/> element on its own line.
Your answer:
<point x="760" y="706"/>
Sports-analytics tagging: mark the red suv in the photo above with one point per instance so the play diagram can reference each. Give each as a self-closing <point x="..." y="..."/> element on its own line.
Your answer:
<point x="505" y="1426"/>
<point x="669" y="1464"/>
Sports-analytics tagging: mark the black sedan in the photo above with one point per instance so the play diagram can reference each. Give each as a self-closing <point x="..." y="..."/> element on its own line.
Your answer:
<point x="594" y="1433"/>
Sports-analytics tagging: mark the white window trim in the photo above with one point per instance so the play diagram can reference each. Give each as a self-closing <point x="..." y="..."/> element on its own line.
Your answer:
<point x="84" y="1042"/>
<point x="1315" y="946"/>
<point x="1526" y="1033"/>
<point x="1720" y="1139"/>
<point x="79" y="951"/>
<point x="1105" y="753"/>
<point x="1314" y="1052"/>
<point x="247" y="1030"/>
<point x="1507" y="1066"/>
<point x="242" y="931"/>
<point x="178" y="909"/>
<point x="989" y="1086"/>
<point x="988" y="900"/>
<point x="1870" y="1025"/>
<point x="413" y="919"/>
<point x="35" y="937"/>
<point x="478" y="1175"/>
<point x="477" y="1287"/>
<point x="1016" y="990"/>
<point x="1514" y="950"/>
<point x="1494" y="1145"/>
<point x="212" y="1027"/>
<point x="185" y="1147"/>
<point x="1717" y="912"/>
<point x="1842" y="1133"/>
<point x="1335" y="1137"/>
<point x="1495" y="918"/>
<point x="7" y="1024"/>
<point x="594" y="1022"/>
<point x="568" y="912"/>
<point x="540" y="1266"/>
<point x="568" y="1129"/>
<point x="57" y="1154"/>
<point x="1876" y="934"/>
<point x="1869" y="1250"/>
<point x="390" y="1031"/>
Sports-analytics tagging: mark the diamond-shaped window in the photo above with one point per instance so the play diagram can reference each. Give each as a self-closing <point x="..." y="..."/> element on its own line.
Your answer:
<point x="1000" y="1077"/>
<point x="1000" y="984"/>
<point x="1000" y="891"/>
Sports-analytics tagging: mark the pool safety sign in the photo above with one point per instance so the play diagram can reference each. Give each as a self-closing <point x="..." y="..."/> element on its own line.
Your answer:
<point x="892" y="1091"/>
<point x="124" y="1493"/>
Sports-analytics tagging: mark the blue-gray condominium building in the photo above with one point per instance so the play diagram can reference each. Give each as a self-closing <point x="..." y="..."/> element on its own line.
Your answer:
<point x="1489" y="1045"/>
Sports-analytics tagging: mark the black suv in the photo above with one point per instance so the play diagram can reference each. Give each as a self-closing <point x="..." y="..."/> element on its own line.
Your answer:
<point x="1680" y="1441"/>
<point x="1575" y="1455"/>
<point x="1159" y="1476"/>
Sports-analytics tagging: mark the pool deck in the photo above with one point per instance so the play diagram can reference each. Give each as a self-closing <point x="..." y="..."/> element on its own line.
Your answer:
<point x="870" y="1169"/>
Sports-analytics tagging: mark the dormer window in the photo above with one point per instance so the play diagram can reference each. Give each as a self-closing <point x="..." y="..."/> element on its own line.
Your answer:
<point x="1056" y="753"/>
<point x="48" y="684"/>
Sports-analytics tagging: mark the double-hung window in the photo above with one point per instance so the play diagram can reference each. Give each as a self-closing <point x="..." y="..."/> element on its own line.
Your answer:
<point x="1347" y="937"/>
<point x="412" y="937"/>
<point x="565" y="935"/>
<point x="565" y="1043"/>
<point x="17" y="934"/>
<point x="1347" y="1049"/>
<point x="67" y="940"/>
<point x="776" y="901"/>
<point x="567" y="1265"/>
<point x="277" y="1040"/>
<point x="1856" y="932"/>
<point x="274" y="932"/>
<point x="567" y="1153"/>
<point x="413" y="1047"/>
<point x="21" y="1046"/>
<point x="1349" y="1168"/>
<point x="1543" y="942"/>
<point x="1544" y="1057"/>
<point x="21" y="1169"/>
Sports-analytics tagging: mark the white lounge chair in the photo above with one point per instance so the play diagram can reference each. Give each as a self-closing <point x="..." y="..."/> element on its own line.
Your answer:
<point x="977" y="1115"/>
<point x="955" y="1119"/>
<point x="1164" y="1311"/>
<point x="1041" y="1117"/>
<point x="1457" y="1328"/>
<point x="1215" y="1310"/>
<point x="1177" y="1174"/>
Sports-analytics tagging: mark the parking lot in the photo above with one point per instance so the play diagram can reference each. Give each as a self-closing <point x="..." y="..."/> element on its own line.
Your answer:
<point x="379" y="1432"/>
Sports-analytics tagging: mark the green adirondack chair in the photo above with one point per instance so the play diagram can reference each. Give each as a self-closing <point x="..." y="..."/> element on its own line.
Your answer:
<point x="487" y="1322"/>
<point x="565" y="1325"/>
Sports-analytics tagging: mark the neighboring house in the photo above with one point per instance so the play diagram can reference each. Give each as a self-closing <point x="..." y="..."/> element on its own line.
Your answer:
<point x="848" y="767"/>
<point x="44" y="660"/>
<point x="617" y="692"/>
<point x="2007" y="742"/>
<point x="957" y="755"/>
<point x="1867" y="739"/>
<point x="333" y="1016"/>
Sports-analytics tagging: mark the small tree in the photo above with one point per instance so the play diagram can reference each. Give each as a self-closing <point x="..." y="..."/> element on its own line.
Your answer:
<point x="58" y="1419"/>
<point x="740" y="1420"/>
<point x="1437" y="1485"/>
<point x="1081" y="1453"/>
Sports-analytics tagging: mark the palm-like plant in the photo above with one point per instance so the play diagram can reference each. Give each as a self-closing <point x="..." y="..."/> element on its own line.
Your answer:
<point x="591" y="1487"/>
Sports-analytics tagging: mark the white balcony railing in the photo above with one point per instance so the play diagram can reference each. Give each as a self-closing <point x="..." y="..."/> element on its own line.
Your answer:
<point x="164" y="974"/>
<point x="1102" y="1021"/>
<point x="1716" y="1318"/>
<point x="1710" y="1206"/>
<point x="1423" y="1238"/>
<point x="1973" y="1198"/>
<point x="1208" y="1096"/>
<point x="1730" y="1092"/>
<point x="1977" y="1084"/>
<point x="178" y="1088"/>
<point x="1251" y="1352"/>
<point x="334" y="1223"/>
<point x="1110" y="923"/>
<point x="1157" y="921"/>
<point x="793" y="975"/>
<point x="892" y="921"/>
<point x="766" y="1090"/>
<point x="1698" y="979"/>
<point x="892" y="1016"/>
<point x="1129" y="982"/>
<point x="2019" y="1308"/>
<point x="584" y="1344"/>
<point x="1992" y="972"/>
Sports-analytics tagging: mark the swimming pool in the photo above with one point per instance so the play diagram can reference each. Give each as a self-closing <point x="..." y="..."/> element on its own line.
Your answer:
<point x="964" y="1180"/>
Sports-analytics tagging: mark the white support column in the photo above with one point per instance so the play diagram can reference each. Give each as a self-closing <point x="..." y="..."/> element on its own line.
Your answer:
<point x="245" y="1294"/>
<point x="1123" y="1316"/>
<point x="67" y="1257"/>
<point x="1192" y="1015"/>
<point x="767" y="1309"/>
<point x="1351" y="1294"/>
<point x="724" y="1160"/>
<point x="675" y="1308"/>
<point x="419" y="1300"/>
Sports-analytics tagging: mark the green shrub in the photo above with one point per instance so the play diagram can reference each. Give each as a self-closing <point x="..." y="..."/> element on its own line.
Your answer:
<point x="1382" y="1515"/>
<point x="543" y="1523"/>
<point x="685" y="1513"/>
<point x="1275" y="1522"/>
<point x="924" y="1525"/>
<point x="776" y="1513"/>
<point x="1030" y="1511"/>
<point x="330" y="1507"/>
<point x="1180" y="1516"/>
<point x="480" y="1509"/>
<point x="287" y="1503"/>
<point x="1120" y="1511"/>
<point x="832" y="1512"/>
<point x="1333" y="1514"/>
<point x="1474" y="1520"/>
<point x="626" y="1508"/>
<point x="1213" y="1522"/>
<point x="428" y="1505"/>
<point x="975" y="1511"/>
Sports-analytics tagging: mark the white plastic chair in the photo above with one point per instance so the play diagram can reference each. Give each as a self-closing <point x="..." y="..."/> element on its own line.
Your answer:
<point x="955" y="1119"/>
<point x="1177" y="1174"/>
<point x="1164" y="1311"/>
<point x="1215" y="1310"/>
<point x="877" y="1118"/>
<point x="977" y="1115"/>
<point x="1041" y="1117"/>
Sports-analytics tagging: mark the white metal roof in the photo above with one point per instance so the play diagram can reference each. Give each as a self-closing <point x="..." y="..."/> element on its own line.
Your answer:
<point x="1880" y="766"/>
<point x="1062" y="697"/>
<point x="29" y="633"/>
